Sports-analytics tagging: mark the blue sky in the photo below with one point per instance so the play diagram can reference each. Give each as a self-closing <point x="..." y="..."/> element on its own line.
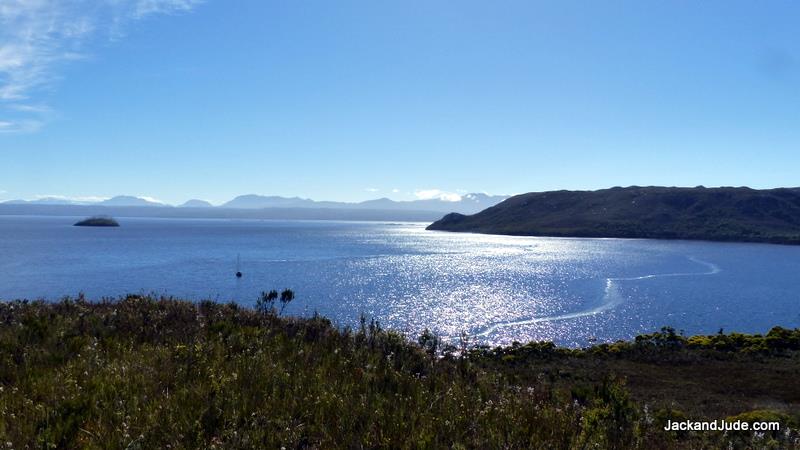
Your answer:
<point x="350" y="100"/>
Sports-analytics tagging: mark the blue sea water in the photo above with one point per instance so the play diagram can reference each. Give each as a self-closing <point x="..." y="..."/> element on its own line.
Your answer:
<point x="497" y="289"/>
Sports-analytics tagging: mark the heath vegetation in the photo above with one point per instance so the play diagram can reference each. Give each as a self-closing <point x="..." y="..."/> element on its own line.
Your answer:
<point x="144" y="372"/>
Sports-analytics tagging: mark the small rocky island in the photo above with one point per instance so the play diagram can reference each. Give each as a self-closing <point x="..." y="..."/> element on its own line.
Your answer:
<point x="97" y="221"/>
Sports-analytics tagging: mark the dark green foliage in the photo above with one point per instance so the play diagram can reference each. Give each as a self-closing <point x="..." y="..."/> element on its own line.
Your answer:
<point x="719" y="214"/>
<point x="429" y="342"/>
<point x="612" y="418"/>
<point x="286" y="297"/>
<point x="777" y="341"/>
<point x="266" y="302"/>
<point x="156" y="373"/>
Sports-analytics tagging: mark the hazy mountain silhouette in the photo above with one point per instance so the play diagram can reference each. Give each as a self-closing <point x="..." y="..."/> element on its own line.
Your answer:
<point x="194" y="203"/>
<point x="128" y="200"/>
<point x="259" y="206"/>
<point x="251" y="201"/>
<point x="44" y="201"/>
<point x="468" y="204"/>
<point x="120" y="200"/>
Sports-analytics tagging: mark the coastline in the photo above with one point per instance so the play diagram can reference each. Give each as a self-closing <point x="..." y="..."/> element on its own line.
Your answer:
<point x="589" y="235"/>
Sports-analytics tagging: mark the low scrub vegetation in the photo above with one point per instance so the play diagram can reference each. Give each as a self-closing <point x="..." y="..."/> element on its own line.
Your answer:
<point x="144" y="372"/>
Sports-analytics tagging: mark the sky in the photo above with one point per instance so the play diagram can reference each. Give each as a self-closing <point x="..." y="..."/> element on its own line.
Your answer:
<point x="351" y="100"/>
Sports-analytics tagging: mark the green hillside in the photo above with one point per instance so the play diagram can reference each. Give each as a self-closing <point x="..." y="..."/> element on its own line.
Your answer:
<point x="718" y="214"/>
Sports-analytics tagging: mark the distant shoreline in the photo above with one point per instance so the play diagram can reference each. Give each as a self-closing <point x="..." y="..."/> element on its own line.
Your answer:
<point x="790" y="243"/>
<point x="370" y="215"/>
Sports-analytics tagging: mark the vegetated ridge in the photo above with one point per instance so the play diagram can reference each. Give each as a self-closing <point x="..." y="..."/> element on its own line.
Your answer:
<point x="716" y="214"/>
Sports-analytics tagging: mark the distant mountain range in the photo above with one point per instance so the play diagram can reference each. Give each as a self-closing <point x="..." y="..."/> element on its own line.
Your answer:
<point x="255" y="206"/>
<point x="127" y="200"/>
<point x="468" y="204"/>
<point x="719" y="214"/>
<point x="120" y="200"/>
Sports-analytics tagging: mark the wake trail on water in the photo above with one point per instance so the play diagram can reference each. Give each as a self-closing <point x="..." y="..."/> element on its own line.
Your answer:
<point x="611" y="298"/>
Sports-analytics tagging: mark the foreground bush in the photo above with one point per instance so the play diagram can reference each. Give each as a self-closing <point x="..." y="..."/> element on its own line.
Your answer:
<point x="160" y="373"/>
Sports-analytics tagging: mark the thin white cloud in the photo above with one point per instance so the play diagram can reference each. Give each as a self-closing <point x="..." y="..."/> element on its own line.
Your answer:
<point x="144" y="8"/>
<point x="395" y="190"/>
<point x="150" y="199"/>
<point x="372" y="189"/>
<point x="39" y="109"/>
<point x="19" y="126"/>
<point x="76" y="199"/>
<point x="38" y="36"/>
<point x="436" y="194"/>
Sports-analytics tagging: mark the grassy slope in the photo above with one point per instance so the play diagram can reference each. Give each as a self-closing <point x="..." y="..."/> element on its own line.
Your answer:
<point x="147" y="373"/>
<point x="723" y="214"/>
